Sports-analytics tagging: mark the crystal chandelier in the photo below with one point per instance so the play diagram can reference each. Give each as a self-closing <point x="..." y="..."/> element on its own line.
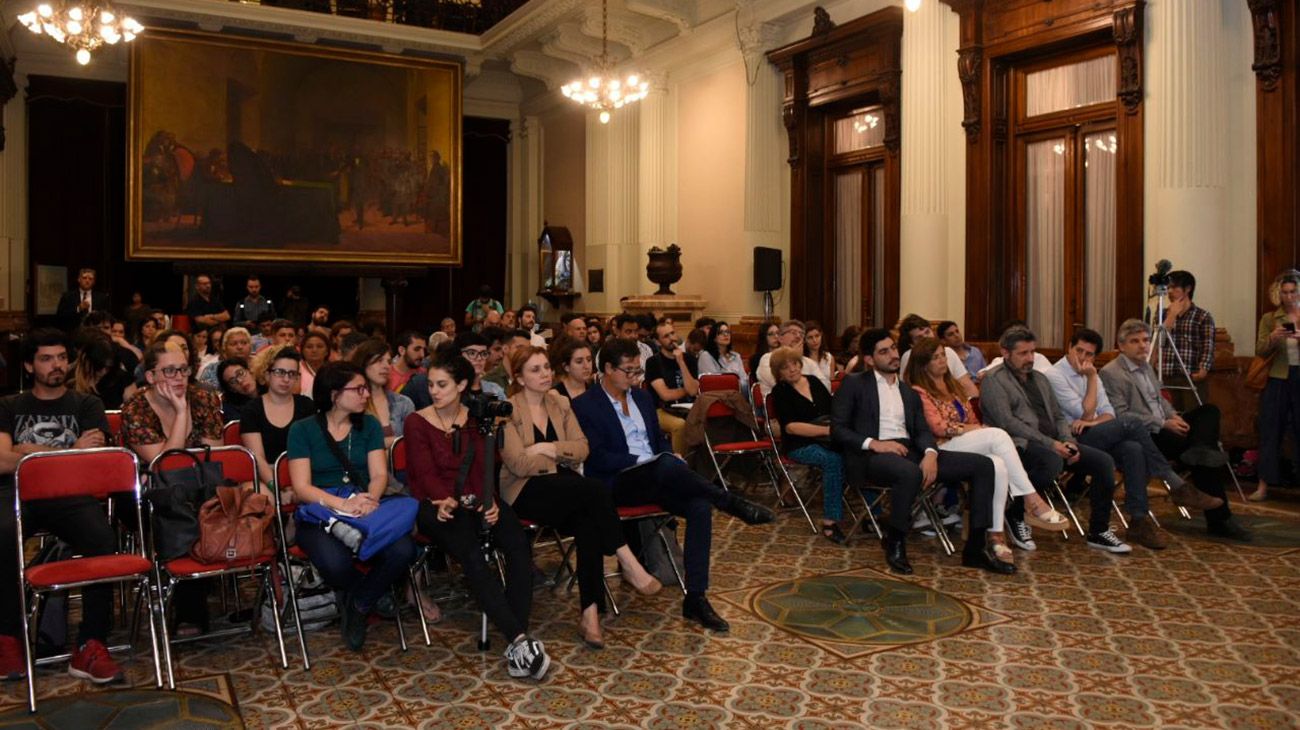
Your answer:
<point x="81" y="24"/>
<point x="604" y="90"/>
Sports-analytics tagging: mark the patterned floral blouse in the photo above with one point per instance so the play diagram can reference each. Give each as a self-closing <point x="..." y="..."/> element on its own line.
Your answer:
<point x="942" y="414"/>
<point x="141" y="425"/>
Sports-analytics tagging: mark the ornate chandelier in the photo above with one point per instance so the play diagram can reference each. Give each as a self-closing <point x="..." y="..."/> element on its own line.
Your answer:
<point x="603" y="90"/>
<point x="81" y="24"/>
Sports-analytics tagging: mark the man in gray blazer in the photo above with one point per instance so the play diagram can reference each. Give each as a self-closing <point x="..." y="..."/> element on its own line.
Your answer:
<point x="1192" y="438"/>
<point x="1020" y="401"/>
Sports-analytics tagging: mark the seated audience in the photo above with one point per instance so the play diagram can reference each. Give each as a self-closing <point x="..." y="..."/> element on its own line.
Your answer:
<point x="474" y="347"/>
<point x="572" y="361"/>
<point x="972" y="358"/>
<point x="284" y="332"/>
<point x="527" y="321"/>
<point x="447" y="326"/>
<point x="236" y="343"/>
<point x="803" y="408"/>
<point x="409" y="360"/>
<point x="671" y="374"/>
<point x="207" y="346"/>
<point x="389" y="408"/>
<point x="349" y="344"/>
<point x="338" y="331"/>
<point x="1082" y="397"/>
<point x="315" y="353"/>
<point x="628" y="452"/>
<point x="952" y="420"/>
<point x="627" y="328"/>
<point x="127" y="354"/>
<point x="337" y="459"/>
<point x="706" y="324"/>
<point x="172" y="412"/>
<point x="1041" y="363"/>
<point x="848" y="352"/>
<point x="595" y="332"/>
<point x="445" y="459"/>
<point x="477" y="310"/>
<point x="238" y="386"/>
<point x="792" y="335"/>
<point x="913" y="328"/>
<point x="1019" y="400"/>
<point x="1191" y="437"/>
<point x="573" y="326"/>
<point x="769" y="338"/>
<point x="696" y="339"/>
<point x="543" y="446"/>
<point x="51" y="417"/>
<point x="264" y="421"/>
<point x="1279" y="403"/>
<point x="879" y="424"/>
<point x="145" y="332"/>
<point x="98" y="371"/>
<point x="814" y="348"/>
<point x="719" y="356"/>
<point x="510" y="340"/>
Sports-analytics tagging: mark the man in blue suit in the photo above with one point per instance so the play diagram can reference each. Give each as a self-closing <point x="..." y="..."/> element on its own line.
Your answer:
<point x="878" y="422"/>
<point x="629" y="453"/>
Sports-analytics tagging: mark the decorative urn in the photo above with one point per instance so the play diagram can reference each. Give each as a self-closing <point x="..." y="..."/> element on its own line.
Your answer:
<point x="665" y="268"/>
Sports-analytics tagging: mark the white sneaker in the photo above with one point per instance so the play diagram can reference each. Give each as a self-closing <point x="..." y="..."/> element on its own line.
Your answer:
<point x="1109" y="542"/>
<point x="527" y="658"/>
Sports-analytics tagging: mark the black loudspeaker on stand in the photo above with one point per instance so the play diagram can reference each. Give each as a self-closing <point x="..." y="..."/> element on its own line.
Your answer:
<point x="767" y="275"/>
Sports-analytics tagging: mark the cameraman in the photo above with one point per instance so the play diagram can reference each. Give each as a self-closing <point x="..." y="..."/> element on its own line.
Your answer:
<point x="445" y="451"/>
<point x="1191" y="330"/>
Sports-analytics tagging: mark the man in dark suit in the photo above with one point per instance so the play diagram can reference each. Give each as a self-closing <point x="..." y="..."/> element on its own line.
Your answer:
<point x="630" y="454"/>
<point x="878" y="422"/>
<point x="74" y="305"/>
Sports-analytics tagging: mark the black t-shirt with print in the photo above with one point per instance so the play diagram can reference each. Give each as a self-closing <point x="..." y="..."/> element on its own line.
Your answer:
<point x="56" y="423"/>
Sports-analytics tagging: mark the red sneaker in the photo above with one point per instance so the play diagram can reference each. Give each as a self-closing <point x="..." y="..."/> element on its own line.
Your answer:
<point x="12" y="665"/>
<point x="93" y="662"/>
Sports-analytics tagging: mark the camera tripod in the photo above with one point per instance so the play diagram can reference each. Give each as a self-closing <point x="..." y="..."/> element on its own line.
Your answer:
<point x="1161" y="336"/>
<point x="493" y="438"/>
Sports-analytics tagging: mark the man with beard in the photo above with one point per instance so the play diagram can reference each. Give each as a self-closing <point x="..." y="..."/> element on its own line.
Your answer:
<point x="51" y="417"/>
<point x="409" y="361"/>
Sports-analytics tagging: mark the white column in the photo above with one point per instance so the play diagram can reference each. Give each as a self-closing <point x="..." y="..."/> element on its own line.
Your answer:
<point x="13" y="204"/>
<point x="656" y="175"/>
<point x="928" y="170"/>
<point x="764" y="136"/>
<point x="612" y="211"/>
<point x="1190" y="52"/>
<point x="525" y="211"/>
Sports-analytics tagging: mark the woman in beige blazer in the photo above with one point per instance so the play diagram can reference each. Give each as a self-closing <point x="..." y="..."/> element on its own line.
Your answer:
<point x="544" y="448"/>
<point x="1277" y="340"/>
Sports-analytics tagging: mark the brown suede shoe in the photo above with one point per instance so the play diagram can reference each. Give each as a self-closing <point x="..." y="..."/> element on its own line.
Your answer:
<point x="1145" y="533"/>
<point x="1192" y="498"/>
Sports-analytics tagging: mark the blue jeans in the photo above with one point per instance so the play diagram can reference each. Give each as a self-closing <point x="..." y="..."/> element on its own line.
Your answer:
<point x="1129" y="443"/>
<point x="832" y="467"/>
<point x="337" y="565"/>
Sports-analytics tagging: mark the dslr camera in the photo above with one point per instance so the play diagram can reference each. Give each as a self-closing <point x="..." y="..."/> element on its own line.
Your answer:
<point x="486" y="409"/>
<point x="1161" y="276"/>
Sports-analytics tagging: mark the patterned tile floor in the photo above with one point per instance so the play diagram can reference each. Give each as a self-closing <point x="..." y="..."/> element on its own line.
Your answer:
<point x="1203" y="635"/>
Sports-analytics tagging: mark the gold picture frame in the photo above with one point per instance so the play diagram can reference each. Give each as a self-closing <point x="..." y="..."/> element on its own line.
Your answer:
<point x="246" y="149"/>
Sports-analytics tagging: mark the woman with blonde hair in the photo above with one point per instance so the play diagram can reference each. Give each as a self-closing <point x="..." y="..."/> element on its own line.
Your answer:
<point x="951" y="417"/>
<point x="1278" y="342"/>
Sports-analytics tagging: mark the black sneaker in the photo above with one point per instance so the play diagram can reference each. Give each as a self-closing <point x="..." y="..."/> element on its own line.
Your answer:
<point x="1021" y="535"/>
<point x="1109" y="542"/>
<point x="352" y="623"/>
<point x="1231" y="529"/>
<point x="527" y="658"/>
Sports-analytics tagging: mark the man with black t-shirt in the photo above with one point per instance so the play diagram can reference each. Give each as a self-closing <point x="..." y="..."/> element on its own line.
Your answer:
<point x="672" y="374"/>
<point x="51" y="417"/>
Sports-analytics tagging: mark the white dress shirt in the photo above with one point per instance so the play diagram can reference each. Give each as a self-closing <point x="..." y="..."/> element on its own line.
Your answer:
<point x="955" y="365"/>
<point x="1070" y="387"/>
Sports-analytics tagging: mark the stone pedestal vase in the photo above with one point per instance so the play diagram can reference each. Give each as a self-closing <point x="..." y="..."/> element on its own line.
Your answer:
<point x="665" y="268"/>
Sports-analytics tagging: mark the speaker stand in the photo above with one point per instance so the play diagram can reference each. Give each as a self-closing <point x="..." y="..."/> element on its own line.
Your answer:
<point x="768" y="308"/>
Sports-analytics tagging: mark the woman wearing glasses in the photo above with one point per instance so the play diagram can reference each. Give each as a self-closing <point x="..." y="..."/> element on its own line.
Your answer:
<point x="264" y="422"/>
<point x="719" y="357"/>
<point x="337" y="460"/>
<point x="238" y="387"/>
<point x="171" y="412"/>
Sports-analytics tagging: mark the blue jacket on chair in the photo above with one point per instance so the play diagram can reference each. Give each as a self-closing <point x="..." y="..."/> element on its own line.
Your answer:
<point x="600" y="422"/>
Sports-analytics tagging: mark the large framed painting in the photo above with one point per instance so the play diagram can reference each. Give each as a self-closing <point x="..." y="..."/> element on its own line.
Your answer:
<point x="255" y="150"/>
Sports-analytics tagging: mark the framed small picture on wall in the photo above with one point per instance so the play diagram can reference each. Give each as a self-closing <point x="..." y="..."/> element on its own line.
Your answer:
<point x="51" y="282"/>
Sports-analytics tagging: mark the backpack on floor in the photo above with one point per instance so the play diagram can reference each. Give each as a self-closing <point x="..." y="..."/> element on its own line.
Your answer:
<point x="317" y="603"/>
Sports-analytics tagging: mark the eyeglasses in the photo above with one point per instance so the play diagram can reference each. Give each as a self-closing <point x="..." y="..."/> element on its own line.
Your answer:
<point x="282" y="373"/>
<point x="172" y="372"/>
<point x="358" y="389"/>
<point x="471" y="354"/>
<point x="722" y="332"/>
<point x="633" y="373"/>
<point x="239" y="374"/>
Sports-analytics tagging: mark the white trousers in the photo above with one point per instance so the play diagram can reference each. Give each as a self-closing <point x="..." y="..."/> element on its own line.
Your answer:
<point x="1008" y="473"/>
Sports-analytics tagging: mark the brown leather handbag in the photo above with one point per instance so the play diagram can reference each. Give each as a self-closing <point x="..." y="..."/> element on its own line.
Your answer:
<point x="1257" y="373"/>
<point x="235" y="525"/>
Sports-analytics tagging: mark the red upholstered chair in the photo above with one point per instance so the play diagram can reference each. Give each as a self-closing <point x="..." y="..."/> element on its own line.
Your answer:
<point x="239" y="465"/>
<point x="98" y="473"/>
<point x="719" y="381"/>
<point x="761" y="446"/>
<point x="114" y="425"/>
<point x="182" y="323"/>
<point x="230" y="434"/>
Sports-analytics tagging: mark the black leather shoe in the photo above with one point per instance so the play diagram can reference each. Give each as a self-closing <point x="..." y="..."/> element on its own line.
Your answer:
<point x="747" y="511"/>
<point x="1231" y="529"/>
<point x="697" y="608"/>
<point x="985" y="559"/>
<point x="896" y="554"/>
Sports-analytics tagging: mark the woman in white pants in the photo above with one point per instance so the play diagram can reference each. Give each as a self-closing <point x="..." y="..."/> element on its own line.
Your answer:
<point x="956" y="427"/>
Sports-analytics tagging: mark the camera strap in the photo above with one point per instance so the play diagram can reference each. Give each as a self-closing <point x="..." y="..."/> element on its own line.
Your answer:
<point x="465" y="463"/>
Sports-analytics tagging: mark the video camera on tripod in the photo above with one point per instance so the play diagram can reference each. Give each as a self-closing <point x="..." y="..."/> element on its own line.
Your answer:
<point x="1160" y="279"/>
<point x="486" y="413"/>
